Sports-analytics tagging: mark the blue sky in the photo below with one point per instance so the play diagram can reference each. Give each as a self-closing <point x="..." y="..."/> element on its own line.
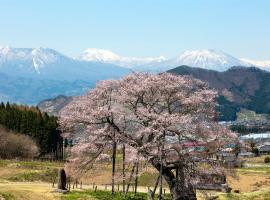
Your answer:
<point x="139" y="27"/>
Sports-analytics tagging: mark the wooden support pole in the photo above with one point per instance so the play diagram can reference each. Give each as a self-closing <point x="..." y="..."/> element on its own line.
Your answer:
<point x="136" y="176"/>
<point x="53" y="182"/>
<point x="130" y="179"/>
<point x="114" y="147"/>
<point x="124" y="166"/>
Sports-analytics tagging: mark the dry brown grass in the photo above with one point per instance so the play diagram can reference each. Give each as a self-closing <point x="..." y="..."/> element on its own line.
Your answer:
<point x="248" y="182"/>
<point x="8" y="171"/>
<point x="102" y="173"/>
<point x="29" y="191"/>
<point x="256" y="160"/>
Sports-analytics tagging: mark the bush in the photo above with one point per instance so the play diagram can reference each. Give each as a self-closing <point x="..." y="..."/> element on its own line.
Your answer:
<point x="6" y="196"/>
<point x="267" y="159"/>
<point x="14" y="145"/>
<point x="236" y="191"/>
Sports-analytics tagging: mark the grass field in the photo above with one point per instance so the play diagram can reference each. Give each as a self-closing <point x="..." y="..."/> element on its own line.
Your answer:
<point x="27" y="180"/>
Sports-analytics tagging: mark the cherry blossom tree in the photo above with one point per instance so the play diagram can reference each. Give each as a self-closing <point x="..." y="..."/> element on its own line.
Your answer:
<point x="163" y="117"/>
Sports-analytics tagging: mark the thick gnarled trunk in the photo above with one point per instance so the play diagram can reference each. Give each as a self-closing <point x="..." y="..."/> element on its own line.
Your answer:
<point x="180" y="189"/>
<point x="182" y="193"/>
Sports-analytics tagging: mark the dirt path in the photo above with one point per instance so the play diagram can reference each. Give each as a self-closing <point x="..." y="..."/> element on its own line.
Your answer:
<point x="29" y="190"/>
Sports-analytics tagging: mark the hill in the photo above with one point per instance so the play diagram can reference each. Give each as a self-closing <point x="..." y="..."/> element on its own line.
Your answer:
<point x="238" y="87"/>
<point x="54" y="105"/>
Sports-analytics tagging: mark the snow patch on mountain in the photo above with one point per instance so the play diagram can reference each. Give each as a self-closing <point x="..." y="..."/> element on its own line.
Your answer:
<point x="45" y="63"/>
<point x="99" y="55"/>
<point x="264" y="64"/>
<point x="32" y="57"/>
<point x="207" y="59"/>
<point x="106" y="56"/>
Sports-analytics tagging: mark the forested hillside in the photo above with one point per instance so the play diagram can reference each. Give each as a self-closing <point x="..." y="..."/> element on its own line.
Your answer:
<point x="238" y="87"/>
<point x="39" y="126"/>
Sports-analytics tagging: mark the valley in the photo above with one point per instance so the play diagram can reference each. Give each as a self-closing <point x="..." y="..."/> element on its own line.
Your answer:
<point x="134" y="100"/>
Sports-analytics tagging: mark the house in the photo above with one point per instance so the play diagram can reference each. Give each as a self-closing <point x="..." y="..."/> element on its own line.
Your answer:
<point x="246" y="154"/>
<point x="256" y="137"/>
<point x="264" y="148"/>
<point x="212" y="181"/>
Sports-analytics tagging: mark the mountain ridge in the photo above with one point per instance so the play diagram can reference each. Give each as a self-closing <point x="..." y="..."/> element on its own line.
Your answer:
<point x="47" y="63"/>
<point x="238" y="87"/>
<point x="29" y="75"/>
<point x="205" y="58"/>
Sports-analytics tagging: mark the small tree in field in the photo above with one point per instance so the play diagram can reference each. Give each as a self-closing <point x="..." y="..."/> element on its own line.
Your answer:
<point x="160" y="116"/>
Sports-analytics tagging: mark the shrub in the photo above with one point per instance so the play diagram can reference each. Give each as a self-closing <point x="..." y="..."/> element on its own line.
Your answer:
<point x="14" y="145"/>
<point x="267" y="159"/>
<point x="236" y="191"/>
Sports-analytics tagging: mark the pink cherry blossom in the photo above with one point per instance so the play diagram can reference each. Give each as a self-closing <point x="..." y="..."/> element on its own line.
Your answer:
<point x="156" y="116"/>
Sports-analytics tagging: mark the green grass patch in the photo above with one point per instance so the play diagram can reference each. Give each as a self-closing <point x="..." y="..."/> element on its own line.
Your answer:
<point x="255" y="169"/>
<point x="31" y="164"/>
<point x="45" y="176"/>
<point x="258" y="195"/>
<point x="104" y="195"/>
<point x="147" y="179"/>
<point x="7" y="196"/>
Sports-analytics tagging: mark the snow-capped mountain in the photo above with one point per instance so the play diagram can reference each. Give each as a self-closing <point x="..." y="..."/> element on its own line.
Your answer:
<point x="30" y="75"/>
<point x="264" y="64"/>
<point x="206" y="59"/>
<point x="49" y="64"/>
<point x="106" y="56"/>
<point x="28" y="59"/>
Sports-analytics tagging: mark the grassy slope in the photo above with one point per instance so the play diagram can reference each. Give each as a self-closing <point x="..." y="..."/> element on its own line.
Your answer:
<point x="26" y="180"/>
<point x="27" y="191"/>
<point x="32" y="180"/>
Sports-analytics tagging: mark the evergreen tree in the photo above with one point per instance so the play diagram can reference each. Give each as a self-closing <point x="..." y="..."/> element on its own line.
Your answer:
<point x="31" y="121"/>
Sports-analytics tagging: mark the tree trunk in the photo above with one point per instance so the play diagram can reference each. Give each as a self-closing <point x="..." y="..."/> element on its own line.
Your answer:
<point x="182" y="193"/>
<point x="113" y="164"/>
<point x="179" y="188"/>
